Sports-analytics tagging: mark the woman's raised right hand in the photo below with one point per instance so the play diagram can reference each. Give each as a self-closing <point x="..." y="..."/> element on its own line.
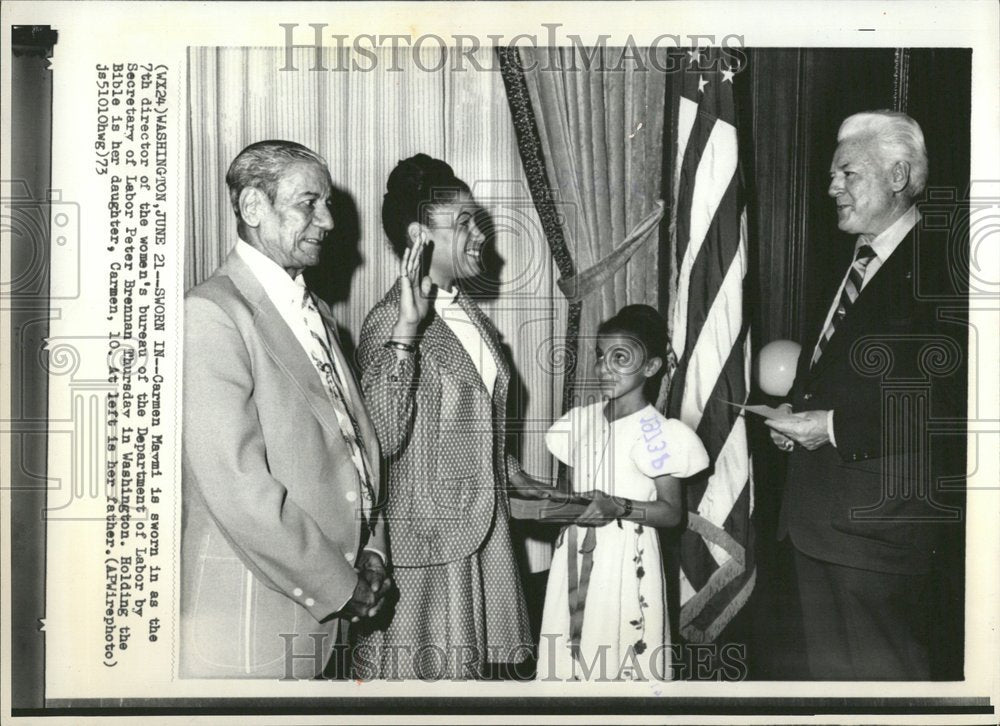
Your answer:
<point x="414" y="292"/>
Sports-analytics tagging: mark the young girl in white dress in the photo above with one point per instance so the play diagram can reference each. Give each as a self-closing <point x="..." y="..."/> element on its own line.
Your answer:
<point x="605" y="606"/>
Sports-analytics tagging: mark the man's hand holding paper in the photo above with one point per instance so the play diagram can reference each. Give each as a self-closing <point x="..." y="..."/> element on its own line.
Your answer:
<point x="808" y="429"/>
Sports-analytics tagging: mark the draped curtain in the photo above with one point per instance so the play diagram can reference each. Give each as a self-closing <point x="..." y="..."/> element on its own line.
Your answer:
<point x="599" y="120"/>
<point x="363" y="122"/>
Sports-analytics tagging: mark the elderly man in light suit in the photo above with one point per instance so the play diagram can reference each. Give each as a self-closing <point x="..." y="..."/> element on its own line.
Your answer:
<point x="282" y="539"/>
<point x="859" y="506"/>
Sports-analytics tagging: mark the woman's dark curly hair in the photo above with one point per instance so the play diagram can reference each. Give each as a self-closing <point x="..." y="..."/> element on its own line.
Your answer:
<point x="414" y="188"/>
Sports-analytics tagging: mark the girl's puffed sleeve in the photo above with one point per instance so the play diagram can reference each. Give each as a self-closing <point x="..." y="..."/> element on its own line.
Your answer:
<point x="675" y="450"/>
<point x="557" y="438"/>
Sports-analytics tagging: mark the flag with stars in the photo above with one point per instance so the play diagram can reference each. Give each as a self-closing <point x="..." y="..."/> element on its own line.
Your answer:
<point x="711" y="341"/>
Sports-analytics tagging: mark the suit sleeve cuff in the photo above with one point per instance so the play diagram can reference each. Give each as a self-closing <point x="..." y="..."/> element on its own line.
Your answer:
<point x="829" y="427"/>
<point x="333" y="604"/>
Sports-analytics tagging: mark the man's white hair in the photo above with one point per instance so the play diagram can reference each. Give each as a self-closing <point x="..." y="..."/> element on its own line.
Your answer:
<point x="899" y="138"/>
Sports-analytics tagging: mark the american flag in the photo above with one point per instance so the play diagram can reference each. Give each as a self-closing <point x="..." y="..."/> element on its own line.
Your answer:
<point x="710" y="339"/>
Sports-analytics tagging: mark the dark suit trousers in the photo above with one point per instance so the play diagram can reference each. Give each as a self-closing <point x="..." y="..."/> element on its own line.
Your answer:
<point x="862" y="625"/>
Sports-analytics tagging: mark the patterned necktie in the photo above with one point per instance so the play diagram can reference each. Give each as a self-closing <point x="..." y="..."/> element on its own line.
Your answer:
<point x="325" y="362"/>
<point x="852" y="288"/>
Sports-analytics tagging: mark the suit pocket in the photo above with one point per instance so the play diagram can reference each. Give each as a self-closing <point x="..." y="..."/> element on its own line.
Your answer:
<point x="218" y="612"/>
<point x="275" y="618"/>
<point x="900" y="322"/>
<point x="870" y="507"/>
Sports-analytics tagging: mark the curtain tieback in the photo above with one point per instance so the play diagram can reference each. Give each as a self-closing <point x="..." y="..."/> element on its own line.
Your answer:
<point x="580" y="285"/>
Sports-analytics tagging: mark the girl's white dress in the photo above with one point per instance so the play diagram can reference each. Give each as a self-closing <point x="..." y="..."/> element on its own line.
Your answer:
<point x="625" y="631"/>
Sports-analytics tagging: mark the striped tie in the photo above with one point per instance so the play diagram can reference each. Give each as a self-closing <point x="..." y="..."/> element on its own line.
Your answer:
<point x="852" y="288"/>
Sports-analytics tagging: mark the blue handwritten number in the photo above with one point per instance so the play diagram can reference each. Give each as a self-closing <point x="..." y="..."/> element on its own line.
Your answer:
<point x="651" y="432"/>
<point x="660" y="461"/>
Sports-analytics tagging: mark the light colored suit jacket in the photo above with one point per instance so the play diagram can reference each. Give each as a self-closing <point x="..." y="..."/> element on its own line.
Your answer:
<point x="271" y="501"/>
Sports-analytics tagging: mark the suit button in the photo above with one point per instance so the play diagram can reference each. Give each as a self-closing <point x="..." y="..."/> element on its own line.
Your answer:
<point x="351" y="496"/>
<point x="349" y="556"/>
<point x="297" y="592"/>
<point x="310" y="602"/>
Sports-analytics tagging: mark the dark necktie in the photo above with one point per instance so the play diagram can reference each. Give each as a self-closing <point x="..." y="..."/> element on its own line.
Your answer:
<point x="852" y="288"/>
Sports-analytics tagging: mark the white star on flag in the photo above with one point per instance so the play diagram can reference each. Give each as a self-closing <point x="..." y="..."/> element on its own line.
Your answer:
<point x="701" y="84"/>
<point x="727" y="75"/>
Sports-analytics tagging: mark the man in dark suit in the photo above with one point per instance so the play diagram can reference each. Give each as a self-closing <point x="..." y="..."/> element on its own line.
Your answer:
<point x="282" y="539"/>
<point x="859" y="505"/>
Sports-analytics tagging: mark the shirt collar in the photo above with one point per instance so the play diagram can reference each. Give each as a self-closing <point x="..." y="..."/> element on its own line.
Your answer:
<point x="444" y="298"/>
<point x="270" y="274"/>
<point x="885" y="243"/>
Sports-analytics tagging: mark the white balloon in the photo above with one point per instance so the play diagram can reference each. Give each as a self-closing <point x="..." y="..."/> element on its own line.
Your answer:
<point x="776" y="364"/>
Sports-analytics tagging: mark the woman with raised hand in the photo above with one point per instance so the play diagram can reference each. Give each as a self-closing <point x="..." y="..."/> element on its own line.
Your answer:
<point x="435" y="379"/>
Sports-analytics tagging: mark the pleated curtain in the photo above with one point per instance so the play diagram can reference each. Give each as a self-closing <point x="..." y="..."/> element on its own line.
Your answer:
<point x="599" y="119"/>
